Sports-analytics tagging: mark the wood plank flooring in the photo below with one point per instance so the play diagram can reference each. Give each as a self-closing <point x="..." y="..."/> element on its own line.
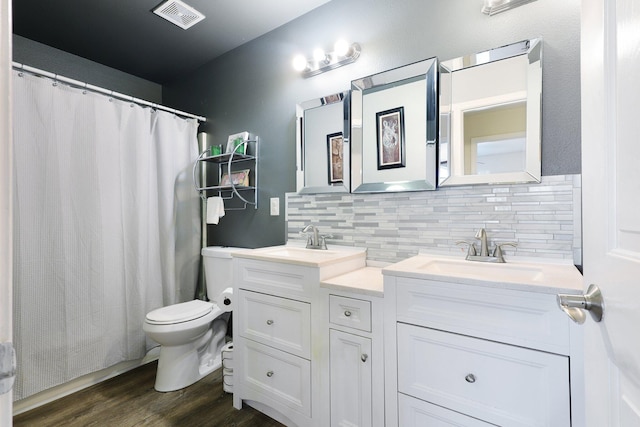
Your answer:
<point x="130" y="400"/>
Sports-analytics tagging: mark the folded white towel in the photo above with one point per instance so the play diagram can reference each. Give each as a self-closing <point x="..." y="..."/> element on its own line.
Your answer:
<point x="215" y="209"/>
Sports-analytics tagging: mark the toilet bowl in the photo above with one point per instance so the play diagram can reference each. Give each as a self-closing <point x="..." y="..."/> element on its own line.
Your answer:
<point x="191" y="334"/>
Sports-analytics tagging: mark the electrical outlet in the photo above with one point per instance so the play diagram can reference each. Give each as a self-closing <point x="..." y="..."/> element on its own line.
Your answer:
<point x="275" y="206"/>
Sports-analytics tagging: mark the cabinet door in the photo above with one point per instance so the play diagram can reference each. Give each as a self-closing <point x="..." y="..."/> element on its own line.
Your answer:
<point x="350" y="377"/>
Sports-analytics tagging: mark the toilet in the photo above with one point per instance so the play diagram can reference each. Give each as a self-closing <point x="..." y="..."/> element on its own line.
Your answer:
<point x="191" y="334"/>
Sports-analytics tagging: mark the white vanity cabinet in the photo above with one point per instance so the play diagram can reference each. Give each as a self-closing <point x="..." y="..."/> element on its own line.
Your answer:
<point x="356" y="355"/>
<point x="279" y="320"/>
<point x="469" y="352"/>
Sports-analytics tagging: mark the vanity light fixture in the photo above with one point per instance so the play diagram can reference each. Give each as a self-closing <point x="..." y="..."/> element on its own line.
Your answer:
<point x="492" y="7"/>
<point x="342" y="54"/>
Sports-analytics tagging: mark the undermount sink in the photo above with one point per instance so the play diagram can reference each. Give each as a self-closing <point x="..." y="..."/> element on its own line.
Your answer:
<point x="493" y="271"/>
<point x="303" y="256"/>
<point x="544" y="275"/>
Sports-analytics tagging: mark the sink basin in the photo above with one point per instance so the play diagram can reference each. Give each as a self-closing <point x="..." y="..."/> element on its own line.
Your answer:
<point x="541" y="275"/>
<point x="303" y="256"/>
<point x="518" y="273"/>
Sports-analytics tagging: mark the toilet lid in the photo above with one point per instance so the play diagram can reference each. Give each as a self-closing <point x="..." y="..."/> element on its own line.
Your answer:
<point x="181" y="312"/>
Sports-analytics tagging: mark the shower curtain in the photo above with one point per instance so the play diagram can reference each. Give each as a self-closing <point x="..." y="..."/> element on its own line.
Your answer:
<point x="106" y="228"/>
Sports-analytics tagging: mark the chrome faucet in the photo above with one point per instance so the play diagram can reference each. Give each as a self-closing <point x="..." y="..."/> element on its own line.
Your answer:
<point x="482" y="236"/>
<point x="314" y="239"/>
<point x="485" y="255"/>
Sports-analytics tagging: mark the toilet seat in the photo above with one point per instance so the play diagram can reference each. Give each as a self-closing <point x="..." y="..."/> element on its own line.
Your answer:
<point x="179" y="313"/>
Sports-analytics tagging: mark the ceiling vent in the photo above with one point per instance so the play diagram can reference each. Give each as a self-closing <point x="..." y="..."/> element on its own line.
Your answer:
<point x="179" y="13"/>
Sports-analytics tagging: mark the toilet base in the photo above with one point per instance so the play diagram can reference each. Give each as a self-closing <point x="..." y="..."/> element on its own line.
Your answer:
<point x="182" y="365"/>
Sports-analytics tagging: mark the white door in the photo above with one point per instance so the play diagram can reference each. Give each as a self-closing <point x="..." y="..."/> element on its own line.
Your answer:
<point x="610" y="55"/>
<point x="6" y="246"/>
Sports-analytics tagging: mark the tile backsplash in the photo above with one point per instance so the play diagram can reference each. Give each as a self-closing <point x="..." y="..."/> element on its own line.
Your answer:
<point x="544" y="219"/>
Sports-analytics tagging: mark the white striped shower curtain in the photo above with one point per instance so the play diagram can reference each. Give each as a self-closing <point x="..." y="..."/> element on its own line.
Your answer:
<point x="106" y="228"/>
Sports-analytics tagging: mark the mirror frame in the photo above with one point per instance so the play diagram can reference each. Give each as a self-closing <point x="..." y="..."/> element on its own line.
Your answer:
<point x="426" y="69"/>
<point x="344" y="187"/>
<point x="532" y="172"/>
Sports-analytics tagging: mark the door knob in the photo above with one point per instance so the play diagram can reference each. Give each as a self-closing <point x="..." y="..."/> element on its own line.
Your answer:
<point x="576" y="305"/>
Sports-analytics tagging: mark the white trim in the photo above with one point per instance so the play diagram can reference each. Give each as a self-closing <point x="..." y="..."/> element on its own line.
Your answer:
<point x="6" y="197"/>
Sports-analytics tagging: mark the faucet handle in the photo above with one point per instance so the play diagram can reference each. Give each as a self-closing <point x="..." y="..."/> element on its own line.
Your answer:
<point x="322" y="240"/>
<point x="497" y="252"/>
<point x="472" y="247"/>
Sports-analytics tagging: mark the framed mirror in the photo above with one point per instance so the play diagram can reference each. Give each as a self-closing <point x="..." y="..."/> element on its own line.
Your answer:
<point x="322" y="135"/>
<point x="394" y="129"/>
<point x="490" y="116"/>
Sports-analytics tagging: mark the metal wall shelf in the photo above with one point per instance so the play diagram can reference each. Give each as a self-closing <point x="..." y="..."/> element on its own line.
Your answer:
<point x="227" y="164"/>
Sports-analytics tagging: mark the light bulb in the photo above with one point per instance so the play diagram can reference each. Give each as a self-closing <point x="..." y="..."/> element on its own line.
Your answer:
<point x="299" y="63"/>
<point x="341" y="48"/>
<point x="319" y="55"/>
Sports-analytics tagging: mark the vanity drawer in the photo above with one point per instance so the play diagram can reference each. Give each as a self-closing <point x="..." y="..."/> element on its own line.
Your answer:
<point x="280" y="376"/>
<point x="414" y="412"/>
<point x="497" y="383"/>
<point x="527" y="319"/>
<point x="279" y="322"/>
<point x="286" y="280"/>
<point x="350" y="312"/>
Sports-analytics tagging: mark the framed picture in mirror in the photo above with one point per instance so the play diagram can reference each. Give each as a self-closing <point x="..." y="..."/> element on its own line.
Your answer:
<point x="390" y="138"/>
<point x="335" y="150"/>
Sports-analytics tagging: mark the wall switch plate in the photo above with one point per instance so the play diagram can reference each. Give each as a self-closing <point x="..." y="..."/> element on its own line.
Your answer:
<point x="275" y="206"/>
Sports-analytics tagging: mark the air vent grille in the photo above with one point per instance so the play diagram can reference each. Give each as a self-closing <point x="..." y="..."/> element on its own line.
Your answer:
<point x="179" y="13"/>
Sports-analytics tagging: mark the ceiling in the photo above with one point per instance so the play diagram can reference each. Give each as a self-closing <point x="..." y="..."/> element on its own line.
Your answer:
<point x="128" y="36"/>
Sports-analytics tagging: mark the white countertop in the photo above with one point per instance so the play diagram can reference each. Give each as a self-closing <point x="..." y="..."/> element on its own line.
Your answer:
<point x="367" y="280"/>
<point x="299" y="255"/>
<point x="525" y="274"/>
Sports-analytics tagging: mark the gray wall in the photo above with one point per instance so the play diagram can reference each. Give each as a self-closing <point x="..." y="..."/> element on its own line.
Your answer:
<point x="54" y="60"/>
<point x="254" y="87"/>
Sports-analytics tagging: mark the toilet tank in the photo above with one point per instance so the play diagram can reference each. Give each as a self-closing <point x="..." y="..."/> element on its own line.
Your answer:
<point x="218" y="269"/>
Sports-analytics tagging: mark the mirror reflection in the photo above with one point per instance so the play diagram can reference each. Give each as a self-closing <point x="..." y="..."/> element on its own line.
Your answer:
<point x="490" y="109"/>
<point x="393" y="129"/>
<point x="323" y="144"/>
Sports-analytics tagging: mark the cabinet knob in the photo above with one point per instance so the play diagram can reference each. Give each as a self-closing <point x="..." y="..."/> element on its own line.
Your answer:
<point x="470" y="378"/>
<point x="364" y="357"/>
<point x="347" y="313"/>
<point x="270" y="374"/>
<point x="269" y="322"/>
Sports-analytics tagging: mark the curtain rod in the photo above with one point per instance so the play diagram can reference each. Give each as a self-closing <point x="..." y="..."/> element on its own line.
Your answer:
<point x="83" y="85"/>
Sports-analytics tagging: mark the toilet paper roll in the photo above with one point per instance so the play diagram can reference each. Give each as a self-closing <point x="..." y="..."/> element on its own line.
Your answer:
<point x="225" y="300"/>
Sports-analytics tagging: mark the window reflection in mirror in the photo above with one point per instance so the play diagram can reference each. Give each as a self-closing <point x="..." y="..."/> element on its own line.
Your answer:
<point x="494" y="139"/>
<point x="490" y="116"/>
<point x="323" y="144"/>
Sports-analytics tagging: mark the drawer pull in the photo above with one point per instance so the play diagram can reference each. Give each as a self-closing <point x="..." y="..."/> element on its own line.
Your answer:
<point x="364" y="357"/>
<point x="347" y="313"/>
<point x="270" y="374"/>
<point x="470" y="378"/>
<point x="269" y="322"/>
